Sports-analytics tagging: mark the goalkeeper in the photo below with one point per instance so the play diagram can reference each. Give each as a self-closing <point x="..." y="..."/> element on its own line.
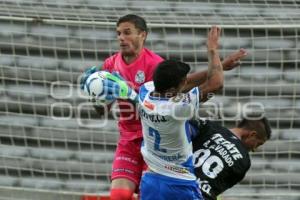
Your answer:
<point x="136" y="64"/>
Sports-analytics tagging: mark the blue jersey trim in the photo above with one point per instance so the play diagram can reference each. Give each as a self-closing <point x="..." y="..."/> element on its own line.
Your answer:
<point x="194" y="131"/>
<point x="142" y="93"/>
<point x="196" y="91"/>
<point x="189" y="164"/>
<point x="188" y="131"/>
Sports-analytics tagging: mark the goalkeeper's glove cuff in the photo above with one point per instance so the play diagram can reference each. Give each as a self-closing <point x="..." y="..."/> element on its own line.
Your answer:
<point x="124" y="90"/>
<point x="133" y="96"/>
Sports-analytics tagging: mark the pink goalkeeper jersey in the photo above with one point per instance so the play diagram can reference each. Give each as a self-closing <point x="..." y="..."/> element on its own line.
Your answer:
<point x="136" y="73"/>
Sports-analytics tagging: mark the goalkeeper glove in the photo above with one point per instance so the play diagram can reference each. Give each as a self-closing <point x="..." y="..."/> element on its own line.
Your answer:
<point x="120" y="88"/>
<point x="109" y="97"/>
<point x="86" y="74"/>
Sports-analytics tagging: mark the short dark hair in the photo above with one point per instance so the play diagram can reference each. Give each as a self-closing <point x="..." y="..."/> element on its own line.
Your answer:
<point x="168" y="74"/>
<point x="260" y="125"/>
<point x="138" y="21"/>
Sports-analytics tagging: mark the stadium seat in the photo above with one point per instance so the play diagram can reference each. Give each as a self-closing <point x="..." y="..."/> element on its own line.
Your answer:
<point x="49" y="31"/>
<point x="260" y="73"/>
<point x="96" y="156"/>
<point x="87" y="185"/>
<point x="26" y="91"/>
<point x="7" y="30"/>
<point x="263" y="43"/>
<point x="234" y="43"/>
<point x="38" y="182"/>
<point x="16" y="151"/>
<point x="292" y="76"/>
<point x="76" y="65"/>
<point x="38" y="62"/>
<point x="243" y="10"/>
<point x="51" y="154"/>
<point x="8" y="181"/>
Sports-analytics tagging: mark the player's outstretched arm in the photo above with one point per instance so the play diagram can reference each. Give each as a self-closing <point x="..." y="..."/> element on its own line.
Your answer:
<point x="230" y="62"/>
<point x="233" y="60"/>
<point x="215" y="78"/>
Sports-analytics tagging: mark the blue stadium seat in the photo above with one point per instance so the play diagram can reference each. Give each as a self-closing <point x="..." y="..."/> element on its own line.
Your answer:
<point x="87" y="185"/>
<point x="8" y="181"/>
<point x="194" y="8"/>
<point x="234" y="43"/>
<point x="281" y="146"/>
<point x="289" y="134"/>
<point x="293" y="76"/>
<point x="8" y="29"/>
<point x="79" y="65"/>
<point x="272" y="43"/>
<point x="70" y="166"/>
<point x="226" y="9"/>
<point x="260" y="73"/>
<point x="8" y="60"/>
<point x="95" y="34"/>
<point x="50" y="153"/>
<point x="41" y="183"/>
<point x="14" y="151"/>
<point x="49" y="31"/>
<point x="259" y="55"/>
<point x="26" y="91"/>
<point x="38" y="62"/>
<point x="107" y="3"/>
<point x="18" y="120"/>
<point x="76" y="135"/>
<point x="294" y="54"/>
<point x="95" y="156"/>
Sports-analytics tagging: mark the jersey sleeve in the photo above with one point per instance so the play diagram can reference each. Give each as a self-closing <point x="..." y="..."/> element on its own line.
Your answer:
<point x="144" y="89"/>
<point x="194" y="95"/>
<point x="108" y="64"/>
<point x="188" y="105"/>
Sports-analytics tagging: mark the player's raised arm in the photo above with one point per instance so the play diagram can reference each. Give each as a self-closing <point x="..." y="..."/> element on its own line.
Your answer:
<point x="230" y="62"/>
<point x="214" y="80"/>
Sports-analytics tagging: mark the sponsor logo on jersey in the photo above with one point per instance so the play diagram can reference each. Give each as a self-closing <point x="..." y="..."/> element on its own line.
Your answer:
<point x="187" y="98"/>
<point x="180" y="170"/>
<point x="140" y="77"/>
<point x="152" y="118"/>
<point x="149" y="105"/>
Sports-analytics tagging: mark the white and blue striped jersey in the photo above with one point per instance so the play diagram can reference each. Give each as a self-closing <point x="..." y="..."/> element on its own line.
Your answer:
<point x="167" y="147"/>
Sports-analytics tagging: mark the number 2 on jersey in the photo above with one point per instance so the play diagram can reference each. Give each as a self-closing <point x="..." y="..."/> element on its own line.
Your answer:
<point x="154" y="133"/>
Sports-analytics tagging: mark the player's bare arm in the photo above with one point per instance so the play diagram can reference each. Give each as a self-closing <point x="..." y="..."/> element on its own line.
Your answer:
<point x="215" y="78"/>
<point x="230" y="62"/>
<point x="233" y="60"/>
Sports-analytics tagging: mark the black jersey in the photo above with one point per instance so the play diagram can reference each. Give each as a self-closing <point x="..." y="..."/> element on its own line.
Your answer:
<point x="220" y="159"/>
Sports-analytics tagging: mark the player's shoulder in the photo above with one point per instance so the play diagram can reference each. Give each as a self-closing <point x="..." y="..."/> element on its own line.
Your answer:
<point x="112" y="57"/>
<point x="109" y="62"/>
<point x="152" y="55"/>
<point x="145" y="89"/>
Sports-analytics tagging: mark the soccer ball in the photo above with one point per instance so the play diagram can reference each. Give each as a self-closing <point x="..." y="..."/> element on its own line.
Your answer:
<point x="94" y="86"/>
